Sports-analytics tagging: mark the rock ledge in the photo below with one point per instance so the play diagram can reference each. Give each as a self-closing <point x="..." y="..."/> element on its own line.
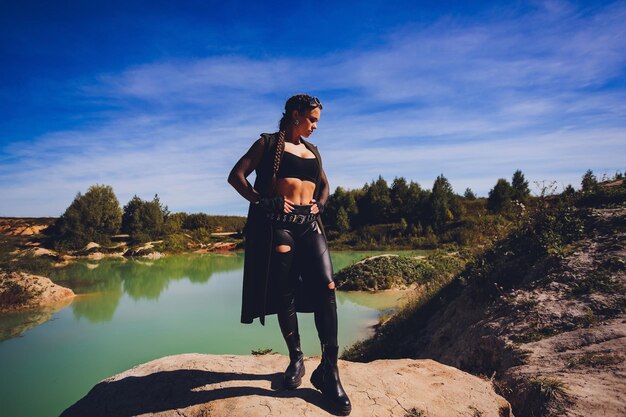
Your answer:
<point x="233" y="385"/>
<point x="31" y="292"/>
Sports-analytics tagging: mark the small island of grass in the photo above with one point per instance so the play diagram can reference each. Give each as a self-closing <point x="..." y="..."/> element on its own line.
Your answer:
<point x="385" y="272"/>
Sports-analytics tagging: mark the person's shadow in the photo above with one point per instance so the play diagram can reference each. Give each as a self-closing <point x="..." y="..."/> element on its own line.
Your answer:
<point x="171" y="390"/>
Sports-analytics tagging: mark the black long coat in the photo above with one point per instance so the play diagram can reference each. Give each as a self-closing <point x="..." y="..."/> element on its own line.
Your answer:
<point x="260" y="294"/>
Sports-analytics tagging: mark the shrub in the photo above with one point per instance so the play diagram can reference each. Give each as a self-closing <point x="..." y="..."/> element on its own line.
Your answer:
<point x="383" y="272"/>
<point x="500" y="196"/>
<point x="261" y="351"/>
<point x="144" y="220"/>
<point x="519" y="184"/>
<point x="94" y="216"/>
<point x="197" y="221"/>
<point x="469" y="194"/>
<point x="13" y="294"/>
<point x="176" y="242"/>
<point x="546" y="395"/>
<point x="174" y="223"/>
<point x="589" y="182"/>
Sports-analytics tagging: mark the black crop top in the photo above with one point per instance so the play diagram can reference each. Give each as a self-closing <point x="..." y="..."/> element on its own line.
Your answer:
<point x="293" y="166"/>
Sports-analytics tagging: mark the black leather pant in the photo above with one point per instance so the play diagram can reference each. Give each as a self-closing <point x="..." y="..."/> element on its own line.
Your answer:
<point x="307" y="256"/>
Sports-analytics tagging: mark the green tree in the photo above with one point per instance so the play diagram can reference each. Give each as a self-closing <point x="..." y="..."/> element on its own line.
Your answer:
<point x="416" y="229"/>
<point x="400" y="199"/>
<point x="94" y="216"/>
<point x="520" y="187"/>
<point x="569" y="190"/>
<point x="403" y="226"/>
<point x="469" y="194"/>
<point x="341" y="198"/>
<point x="418" y="203"/>
<point x="375" y="205"/>
<point x="197" y="221"/>
<point x="589" y="182"/>
<point x="343" y="221"/>
<point x="335" y="201"/>
<point x="500" y="196"/>
<point x="131" y="219"/>
<point x="174" y="222"/>
<point x="144" y="220"/>
<point x="442" y="203"/>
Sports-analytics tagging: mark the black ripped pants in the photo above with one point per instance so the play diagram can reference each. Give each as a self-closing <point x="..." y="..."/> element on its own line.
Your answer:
<point x="301" y="249"/>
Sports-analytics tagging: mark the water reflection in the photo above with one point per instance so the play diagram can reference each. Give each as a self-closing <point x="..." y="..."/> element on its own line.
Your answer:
<point x="97" y="308"/>
<point x="380" y="300"/>
<point x="100" y="286"/>
<point x="100" y="289"/>
<point x="14" y="324"/>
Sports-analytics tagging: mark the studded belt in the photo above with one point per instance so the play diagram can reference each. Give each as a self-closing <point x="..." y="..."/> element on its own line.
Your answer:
<point x="292" y="218"/>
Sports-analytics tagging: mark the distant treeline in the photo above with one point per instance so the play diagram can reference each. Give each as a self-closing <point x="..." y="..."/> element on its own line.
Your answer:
<point x="96" y="216"/>
<point x="407" y="215"/>
<point x="403" y="215"/>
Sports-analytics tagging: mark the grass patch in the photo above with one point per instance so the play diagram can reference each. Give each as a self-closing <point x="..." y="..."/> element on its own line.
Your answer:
<point x="598" y="281"/>
<point x="547" y="389"/>
<point x="261" y="351"/>
<point x="614" y="264"/>
<point x="520" y="355"/>
<point x="595" y="360"/>
<point x="588" y="319"/>
<point x="546" y="396"/>
<point x="534" y="335"/>
<point x="38" y="265"/>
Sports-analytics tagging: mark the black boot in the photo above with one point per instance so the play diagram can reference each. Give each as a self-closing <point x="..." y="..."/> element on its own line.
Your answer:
<point x="295" y="370"/>
<point x="326" y="379"/>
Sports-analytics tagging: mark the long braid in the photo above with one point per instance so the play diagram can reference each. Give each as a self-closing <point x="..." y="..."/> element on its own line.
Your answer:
<point x="278" y="155"/>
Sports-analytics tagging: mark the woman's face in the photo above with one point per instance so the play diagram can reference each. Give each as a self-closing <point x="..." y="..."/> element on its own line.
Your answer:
<point x="307" y="121"/>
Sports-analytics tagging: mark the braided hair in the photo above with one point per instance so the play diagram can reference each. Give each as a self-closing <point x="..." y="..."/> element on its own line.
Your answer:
<point x="300" y="102"/>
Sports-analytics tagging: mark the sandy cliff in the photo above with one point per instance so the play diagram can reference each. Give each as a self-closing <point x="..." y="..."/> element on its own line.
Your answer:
<point x="551" y="329"/>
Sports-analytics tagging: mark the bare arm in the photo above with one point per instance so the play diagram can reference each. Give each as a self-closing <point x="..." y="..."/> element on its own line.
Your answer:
<point x="243" y="168"/>
<point x="324" y="190"/>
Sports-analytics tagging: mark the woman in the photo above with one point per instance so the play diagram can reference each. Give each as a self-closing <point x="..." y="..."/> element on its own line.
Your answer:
<point x="287" y="265"/>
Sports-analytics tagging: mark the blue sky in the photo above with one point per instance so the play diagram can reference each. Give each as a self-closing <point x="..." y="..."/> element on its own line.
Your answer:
<point x="164" y="97"/>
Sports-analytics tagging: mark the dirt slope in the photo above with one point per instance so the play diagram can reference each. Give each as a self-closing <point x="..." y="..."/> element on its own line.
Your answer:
<point x="550" y="330"/>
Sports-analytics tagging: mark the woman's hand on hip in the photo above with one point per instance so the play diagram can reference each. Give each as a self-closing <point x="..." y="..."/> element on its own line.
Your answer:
<point x="316" y="206"/>
<point x="288" y="206"/>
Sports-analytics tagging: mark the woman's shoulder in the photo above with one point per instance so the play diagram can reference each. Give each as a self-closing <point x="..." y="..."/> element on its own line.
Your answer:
<point x="268" y="136"/>
<point x="265" y="141"/>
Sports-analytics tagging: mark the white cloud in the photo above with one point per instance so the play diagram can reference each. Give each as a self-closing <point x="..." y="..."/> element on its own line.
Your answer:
<point x="474" y="100"/>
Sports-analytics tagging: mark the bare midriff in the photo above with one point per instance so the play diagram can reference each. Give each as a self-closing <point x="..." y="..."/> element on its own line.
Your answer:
<point x="296" y="190"/>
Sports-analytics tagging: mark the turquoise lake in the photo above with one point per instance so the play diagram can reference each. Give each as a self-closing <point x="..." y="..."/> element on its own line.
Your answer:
<point x="129" y="312"/>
